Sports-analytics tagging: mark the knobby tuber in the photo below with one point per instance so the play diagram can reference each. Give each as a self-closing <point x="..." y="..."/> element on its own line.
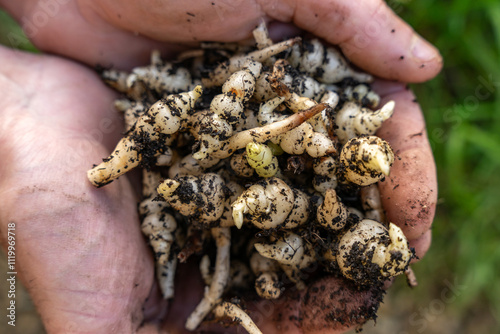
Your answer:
<point x="277" y="141"/>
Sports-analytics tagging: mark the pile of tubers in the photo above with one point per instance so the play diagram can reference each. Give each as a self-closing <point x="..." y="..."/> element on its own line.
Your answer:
<point x="265" y="160"/>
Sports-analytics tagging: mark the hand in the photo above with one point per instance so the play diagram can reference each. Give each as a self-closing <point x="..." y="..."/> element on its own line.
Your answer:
<point x="79" y="250"/>
<point x="90" y="285"/>
<point x="123" y="33"/>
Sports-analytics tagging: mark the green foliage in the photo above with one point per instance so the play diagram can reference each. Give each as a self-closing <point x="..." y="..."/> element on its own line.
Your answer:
<point x="12" y="35"/>
<point x="462" y="109"/>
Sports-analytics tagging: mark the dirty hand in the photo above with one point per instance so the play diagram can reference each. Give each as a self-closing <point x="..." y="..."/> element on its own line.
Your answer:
<point x="123" y="33"/>
<point x="79" y="249"/>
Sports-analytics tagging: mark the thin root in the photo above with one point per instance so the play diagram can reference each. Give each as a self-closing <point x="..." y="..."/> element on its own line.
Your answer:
<point x="237" y="315"/>
<point x="411" y="278"/>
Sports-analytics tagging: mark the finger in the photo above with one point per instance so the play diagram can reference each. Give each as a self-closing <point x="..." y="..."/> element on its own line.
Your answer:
<point x="409" y="194"/>
<point x="421" y="245"/>
<point x="108" y="33"/>
<point x="82" y="35"/>
<point x="369" y="33"/>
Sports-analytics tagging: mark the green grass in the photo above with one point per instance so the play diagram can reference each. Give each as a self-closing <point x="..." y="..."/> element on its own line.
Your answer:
<point x="12" y="35"/>
<point x="464" y="130"/>
<point x="463" y="116"/>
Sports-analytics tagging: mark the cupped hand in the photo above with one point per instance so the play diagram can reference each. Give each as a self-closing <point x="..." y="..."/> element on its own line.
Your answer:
<point x="123" y="33"/>
<point x="80" y="251"/>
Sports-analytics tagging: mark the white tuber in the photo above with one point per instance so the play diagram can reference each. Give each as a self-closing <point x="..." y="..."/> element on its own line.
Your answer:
<point x="261" y="36"/>
<point x="290" y="252"/>
<point x="366" y="160"/>
<point x="370" y="252"/>
<point x="325" y="173"/>
<point x="332" y="213"/>
<point x="163" y="119"/>
<point x="159" y="226"/>
<point x="270" y="204"/>
<point x="163" y="78"/>
<point x="326" y="64"/>
<point x="229" y="310"/>
<point x="353" y="120"/>
<point x="226" y="110"/>
<point x="267" y="284"/>
<point x="237" y="90"/>
<point x="362" y="94"/>
<point x="200" y="197"/>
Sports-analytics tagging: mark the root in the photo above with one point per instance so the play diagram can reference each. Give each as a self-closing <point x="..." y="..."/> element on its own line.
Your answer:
<point x="220" y="278"/>
<point x="237" y="315"/>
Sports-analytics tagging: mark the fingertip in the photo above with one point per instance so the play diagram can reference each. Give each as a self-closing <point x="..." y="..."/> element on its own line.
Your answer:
<point x="388" y="47"/>
<point x="370" y="34"/>
<point x="421" y="245"/>
<point x="426" y="58"/>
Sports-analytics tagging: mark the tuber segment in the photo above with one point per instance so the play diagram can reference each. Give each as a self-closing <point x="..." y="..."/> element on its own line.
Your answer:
<point x="366" y="160"/>
<point x="148" y="138"/>
<point x="369" y="252"/>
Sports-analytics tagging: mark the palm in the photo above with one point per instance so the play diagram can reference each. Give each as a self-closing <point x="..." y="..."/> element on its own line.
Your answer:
<point x="80" y="248"/>
<point x="82" y="251"/>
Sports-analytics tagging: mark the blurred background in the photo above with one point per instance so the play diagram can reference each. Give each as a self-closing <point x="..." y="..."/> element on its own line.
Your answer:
<point x="458" y="290"/>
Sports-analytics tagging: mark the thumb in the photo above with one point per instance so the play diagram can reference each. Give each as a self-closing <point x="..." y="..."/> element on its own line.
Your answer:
<point x="369" y="33"/>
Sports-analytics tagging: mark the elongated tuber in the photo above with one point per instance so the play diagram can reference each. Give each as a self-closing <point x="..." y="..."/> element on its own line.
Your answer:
<point x="147" y="139"/>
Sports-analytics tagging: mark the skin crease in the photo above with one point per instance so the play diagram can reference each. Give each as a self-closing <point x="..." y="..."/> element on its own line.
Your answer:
<point x="79" y="250"/>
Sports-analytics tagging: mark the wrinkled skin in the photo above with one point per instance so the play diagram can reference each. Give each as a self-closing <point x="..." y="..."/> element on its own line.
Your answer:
<point x="79" y="250"/>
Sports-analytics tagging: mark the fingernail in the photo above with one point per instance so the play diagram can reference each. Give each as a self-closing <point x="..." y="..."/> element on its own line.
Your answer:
<point x="423" y="50"/>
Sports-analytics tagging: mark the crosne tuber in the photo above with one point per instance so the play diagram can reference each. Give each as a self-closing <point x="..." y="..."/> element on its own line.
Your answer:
<point x="354" y="121"/>
<point x="261" y="158"/>
<point x="366" y="160"/>
<point x="369" y="251"/>
<point x="270" y="204"/>
<point x="148" y="137"/>
<point x="159" y="226"/>
<point x="279" y="142"/>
